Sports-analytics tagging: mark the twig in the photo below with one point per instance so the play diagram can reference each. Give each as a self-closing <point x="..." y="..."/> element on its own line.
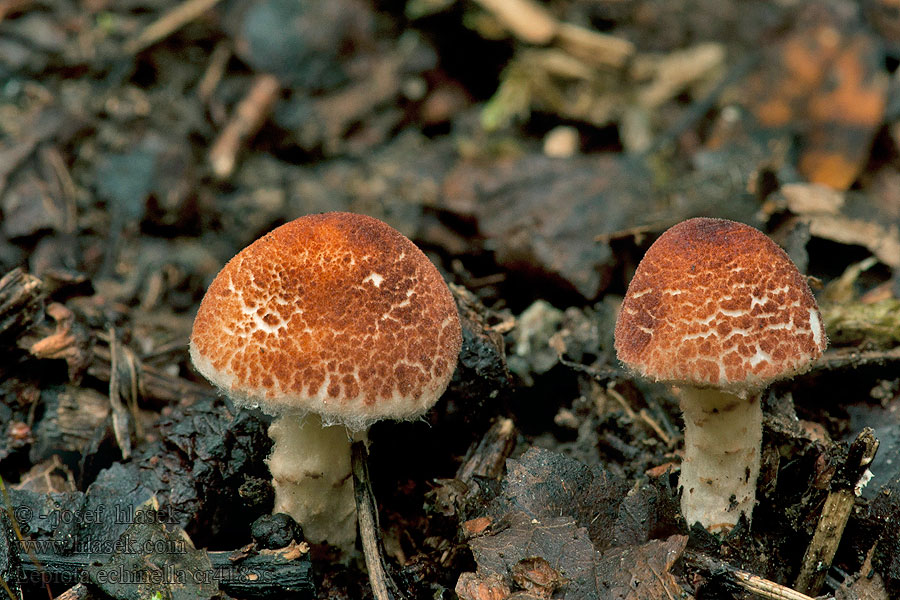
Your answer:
<point x="748" y="581"/>
<point x="248" y="117"/>
<point x="488" y="458"/>
<point x="629" y="412"/>
<point x="21" y="302"/>
<point x="651" y="422"/>
<point x="152" y="382"/>
<point x="383" y="587"/>
<point x="168" y="23"/>
<point x="131" y="359"/>
<point x="532" y="23"/>
<point x="637" y="233"/>
<point x="262" y="576"/>
<point x="525" y="19"/>
<point x="845" y="486"/>
<point x="600" y="373"/>
<point x="851" y="358"/>
<point x="594" y="47"/>
<point x="674" y="433"/>
<point x="215" y="70"/>
<point x="77" y="592"/>
<point x="642" y="415"/>
<point x="66" y="189"/>
<point x="119" y="413"/>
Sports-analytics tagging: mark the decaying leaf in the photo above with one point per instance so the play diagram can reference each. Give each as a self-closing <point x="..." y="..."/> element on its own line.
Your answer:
<point x="844" y="217"/>
<point x="542" y="215"/>
<point x="472" y="586"/>
<point x="545" y="484"/>
<point x="535" y="575"/>
<point x="21" y="302"/>
<point x="154" y="561"/>
<point x="825" y="80"/>
<point x="555" y="556"/>
<point x="643" y="572"/>
<point x="558" y="541"/>
<point x="69" y="341"/>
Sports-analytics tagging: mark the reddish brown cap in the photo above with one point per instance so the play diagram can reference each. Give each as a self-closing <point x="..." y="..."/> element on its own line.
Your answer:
<point x="717" y="303"/>
<point x="337" y="314"/>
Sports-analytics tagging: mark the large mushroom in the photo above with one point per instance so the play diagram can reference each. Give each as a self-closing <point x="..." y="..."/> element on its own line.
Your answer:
<point x="718" y="309"/>
<point x="330" y="322"/>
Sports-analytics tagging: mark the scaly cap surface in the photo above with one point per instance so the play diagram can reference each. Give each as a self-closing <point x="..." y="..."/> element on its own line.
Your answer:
<point x="337" y="314"/>
<point x="717" y="303"/>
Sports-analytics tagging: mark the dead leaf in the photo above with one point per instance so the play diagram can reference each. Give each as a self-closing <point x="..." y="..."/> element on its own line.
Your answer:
<point x="556" y="548"/>
<point x="559" y="541"/>
<point x="472" y="586"/>
<point x="542" y="215"/>
<point x="827" y="80"/>
<point x="535" y="575"/>
<point x="69" y="341"/>
<point x="846" y="218"/>
<point x="477" y="526"/>
<point x="812" y="198"/>
<point x="545" y="484"/>
<point x="643" y="572"/>
<point x="882" y="239"/>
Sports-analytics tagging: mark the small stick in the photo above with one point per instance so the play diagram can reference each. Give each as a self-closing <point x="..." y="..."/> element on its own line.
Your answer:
<point x="646" y="418"/>
<point x="748" y="581"/>
<point x="594" y="47"/>
<point x="845" y="487"/>
<point x="21" y="302"/>
<point x="66" y="188"/>
<point x="663" y="419"/>
<point x="636" y="233"/>
<point x="629" y="412"/>
<point x="215" y="70"/>
<point x="851" y="358"/>
<point x="383" y="587"/>
<point x="248" y="118"/>
<point x="152" y="382"/>
<point x="259" y="576"/>
<point x="488" y="458"/>
<point x="525" y="19"/>
<point x="168" y="23"/>
<point x="79" y="592"/>
<point x="119" y="414"/>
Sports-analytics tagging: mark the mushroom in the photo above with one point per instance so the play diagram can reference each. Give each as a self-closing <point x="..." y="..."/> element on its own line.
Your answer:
<point x="718" y="309"/>
<point x="330" y="322"/>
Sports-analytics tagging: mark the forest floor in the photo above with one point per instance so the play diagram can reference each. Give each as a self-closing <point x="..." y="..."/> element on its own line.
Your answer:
<point x="534" y="151"/>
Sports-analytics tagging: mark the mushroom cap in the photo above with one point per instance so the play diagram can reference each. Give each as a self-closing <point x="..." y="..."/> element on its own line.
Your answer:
<point x="716" y="303"/>
<point x="337" y="314"/>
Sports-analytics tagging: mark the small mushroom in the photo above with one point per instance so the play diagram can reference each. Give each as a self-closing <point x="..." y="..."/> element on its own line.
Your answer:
<point x="330" y="322"/>
<point x="718" y="309"/>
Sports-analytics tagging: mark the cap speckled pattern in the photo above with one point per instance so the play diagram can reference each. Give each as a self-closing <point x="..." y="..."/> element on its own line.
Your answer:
<point x="338" y="314"/>
<point x="717" y="303"/>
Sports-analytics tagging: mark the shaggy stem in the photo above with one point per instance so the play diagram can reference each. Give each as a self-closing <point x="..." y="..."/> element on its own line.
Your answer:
<point x="722" y="439"/>
<point x="310" y="466"/>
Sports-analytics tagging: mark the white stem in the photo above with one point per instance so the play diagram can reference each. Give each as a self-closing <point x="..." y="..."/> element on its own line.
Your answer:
<point x="722" y="439"/>
<point x="310" y="466"/>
